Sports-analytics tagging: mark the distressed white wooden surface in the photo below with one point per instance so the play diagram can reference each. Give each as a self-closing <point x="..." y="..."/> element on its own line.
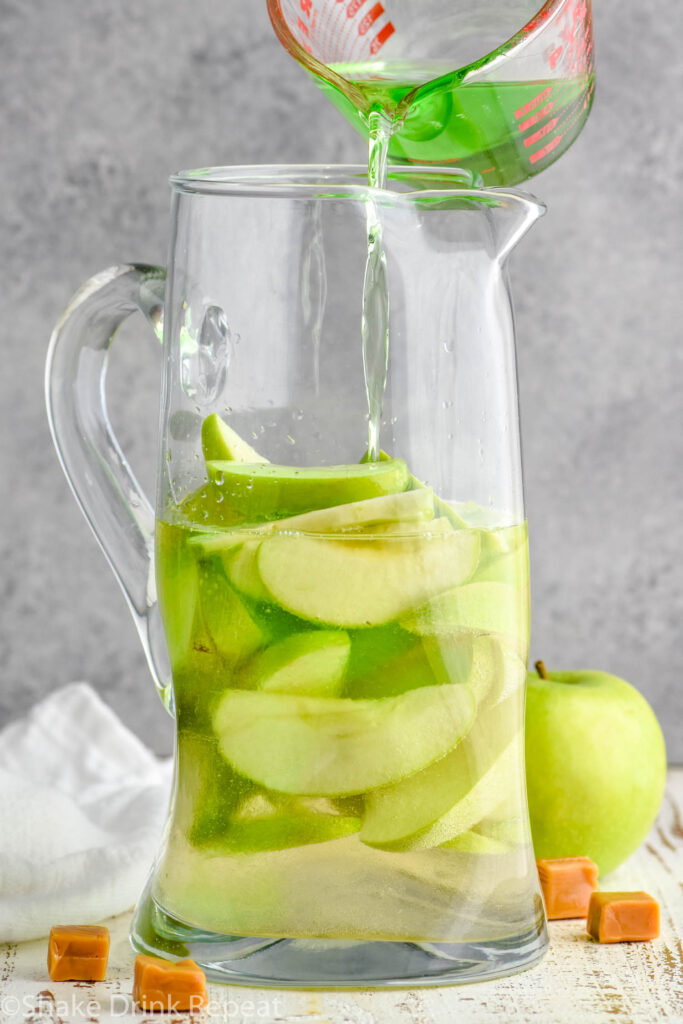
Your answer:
<point x="578" y="981"/>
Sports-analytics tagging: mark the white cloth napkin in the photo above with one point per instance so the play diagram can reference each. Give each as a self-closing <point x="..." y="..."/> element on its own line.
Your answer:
<point x="82" y="807"/>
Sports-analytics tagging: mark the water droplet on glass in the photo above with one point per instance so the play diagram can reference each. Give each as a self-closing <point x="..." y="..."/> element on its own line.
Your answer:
<point x="449" y="345"/>
<point x="298" y="414"/>
<point x="447" y="404"/>
<point x="219" y="479"/>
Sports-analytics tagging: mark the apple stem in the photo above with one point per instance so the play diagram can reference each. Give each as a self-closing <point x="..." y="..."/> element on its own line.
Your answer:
<point x="540" y="668"/>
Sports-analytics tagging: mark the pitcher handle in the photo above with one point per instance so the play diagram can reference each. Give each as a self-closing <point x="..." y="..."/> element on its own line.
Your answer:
<point x="112" y="501"/>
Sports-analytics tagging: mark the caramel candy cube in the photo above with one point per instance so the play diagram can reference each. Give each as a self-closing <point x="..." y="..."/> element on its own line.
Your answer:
<point x="168" y="985"/>
<point x="78" y="952"/>
<point x="623" y="917"/>
<point x="567" y="884"/>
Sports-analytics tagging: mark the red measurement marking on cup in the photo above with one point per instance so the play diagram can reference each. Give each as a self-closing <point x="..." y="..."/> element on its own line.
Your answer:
<point x="370" y="18"/>
<point x="532" y="104"/>
<point x="535" y="118"/>
<point x="541" y="133"/>
<point x="353" y="8"/>
<point x="548" y="148"/>
<point x="381" y="38"/>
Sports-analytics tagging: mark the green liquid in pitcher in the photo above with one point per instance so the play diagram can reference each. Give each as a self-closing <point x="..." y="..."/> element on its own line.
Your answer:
<point x="348" y="657"/>
<point x="504" y="131"/>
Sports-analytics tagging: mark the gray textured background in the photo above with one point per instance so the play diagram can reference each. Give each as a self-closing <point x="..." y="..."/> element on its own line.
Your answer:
<point x="100" y="101"/>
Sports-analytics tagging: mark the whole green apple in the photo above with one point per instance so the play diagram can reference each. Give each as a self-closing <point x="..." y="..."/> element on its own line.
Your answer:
<point x="595" y="765"/>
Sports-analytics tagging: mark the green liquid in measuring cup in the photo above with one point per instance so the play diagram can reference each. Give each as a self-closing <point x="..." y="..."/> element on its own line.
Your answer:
<point x="504" y="131"/>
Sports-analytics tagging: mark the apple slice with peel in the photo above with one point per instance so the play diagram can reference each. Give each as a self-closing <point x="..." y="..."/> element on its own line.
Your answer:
<point x="360" y="583"/>
<point x="397" y="815"/>
<point x="406" y="670"/>
<point x="233" y="630"/>
<point x="281" y="833"/>
<point x="208" y="790"/>
<point x="511" y="567"/>
<point x="499" y="782"/>
<point x="506" y="823"/>
<point x="492" y="670"/>
<point x="311" y="664"/>
<point x="502" y="532"/>
<point x="414" y="507"/>
<point x="430" y="528"/>
<point x="241" y="568"/>
<point x="178" y="595"/>
<point x="275" y="822"/>
<point x="263" y="492"/>
<point x="219" y="441"/>
<point x="476" y="843"/>
<point x="404" y="513"/>
<point x="335" y="746"/>
<point x="489" y="607"/>
<point x="474" y="661"/>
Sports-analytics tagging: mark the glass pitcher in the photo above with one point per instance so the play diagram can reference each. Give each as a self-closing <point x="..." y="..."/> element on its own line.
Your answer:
<point x="342" y="641"/>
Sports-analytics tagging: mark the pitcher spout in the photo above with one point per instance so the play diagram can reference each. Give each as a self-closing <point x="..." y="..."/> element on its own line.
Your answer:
<point x="514" y="213"/>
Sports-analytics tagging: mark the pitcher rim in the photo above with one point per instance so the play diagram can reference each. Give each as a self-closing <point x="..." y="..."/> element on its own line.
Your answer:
<point x="336" y="182"/>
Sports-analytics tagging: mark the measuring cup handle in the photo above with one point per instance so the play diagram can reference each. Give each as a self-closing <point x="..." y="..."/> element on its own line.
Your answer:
<point x="119" y="513"/>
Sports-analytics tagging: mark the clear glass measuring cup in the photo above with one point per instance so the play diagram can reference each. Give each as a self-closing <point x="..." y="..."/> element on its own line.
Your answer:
<point x="343" y="643"/>
<point x="502" y="88"/>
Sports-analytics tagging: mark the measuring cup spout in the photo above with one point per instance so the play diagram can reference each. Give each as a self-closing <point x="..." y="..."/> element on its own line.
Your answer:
<point x="515" y="212"/>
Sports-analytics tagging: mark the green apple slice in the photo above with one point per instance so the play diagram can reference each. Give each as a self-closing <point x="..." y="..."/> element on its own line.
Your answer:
<point x="206" y="507"/>
<point x="208" y="790"/>
<point x="407" y="670"/>
<point x="263" y="492"/>
<point x="476" y="843"/>
<point x="501" y="536"/>
<point x="273" y="822"/>
<point x="475" y="661"/>
<point x="185" y="629"/>
<point x="430" y="528"/>
<point x="285" y="832"/>
<point x="512" y="674"/>
<point x="241" y="567"/>
<point x="499" y="782"/>
<point x="511" y="567"/>
<point x="235" y="633"/>
<point x="507" y="824"/>
<point x="488" y="607"/>
<point x="405" y="507"/>
<point x="311" y="664"/>
<point x="492" y="671"/>
<point x="335" y="746"/>
<point x="361" y="583"/>
<point x="219" y="441"/>
<point x="397" y="815"/>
